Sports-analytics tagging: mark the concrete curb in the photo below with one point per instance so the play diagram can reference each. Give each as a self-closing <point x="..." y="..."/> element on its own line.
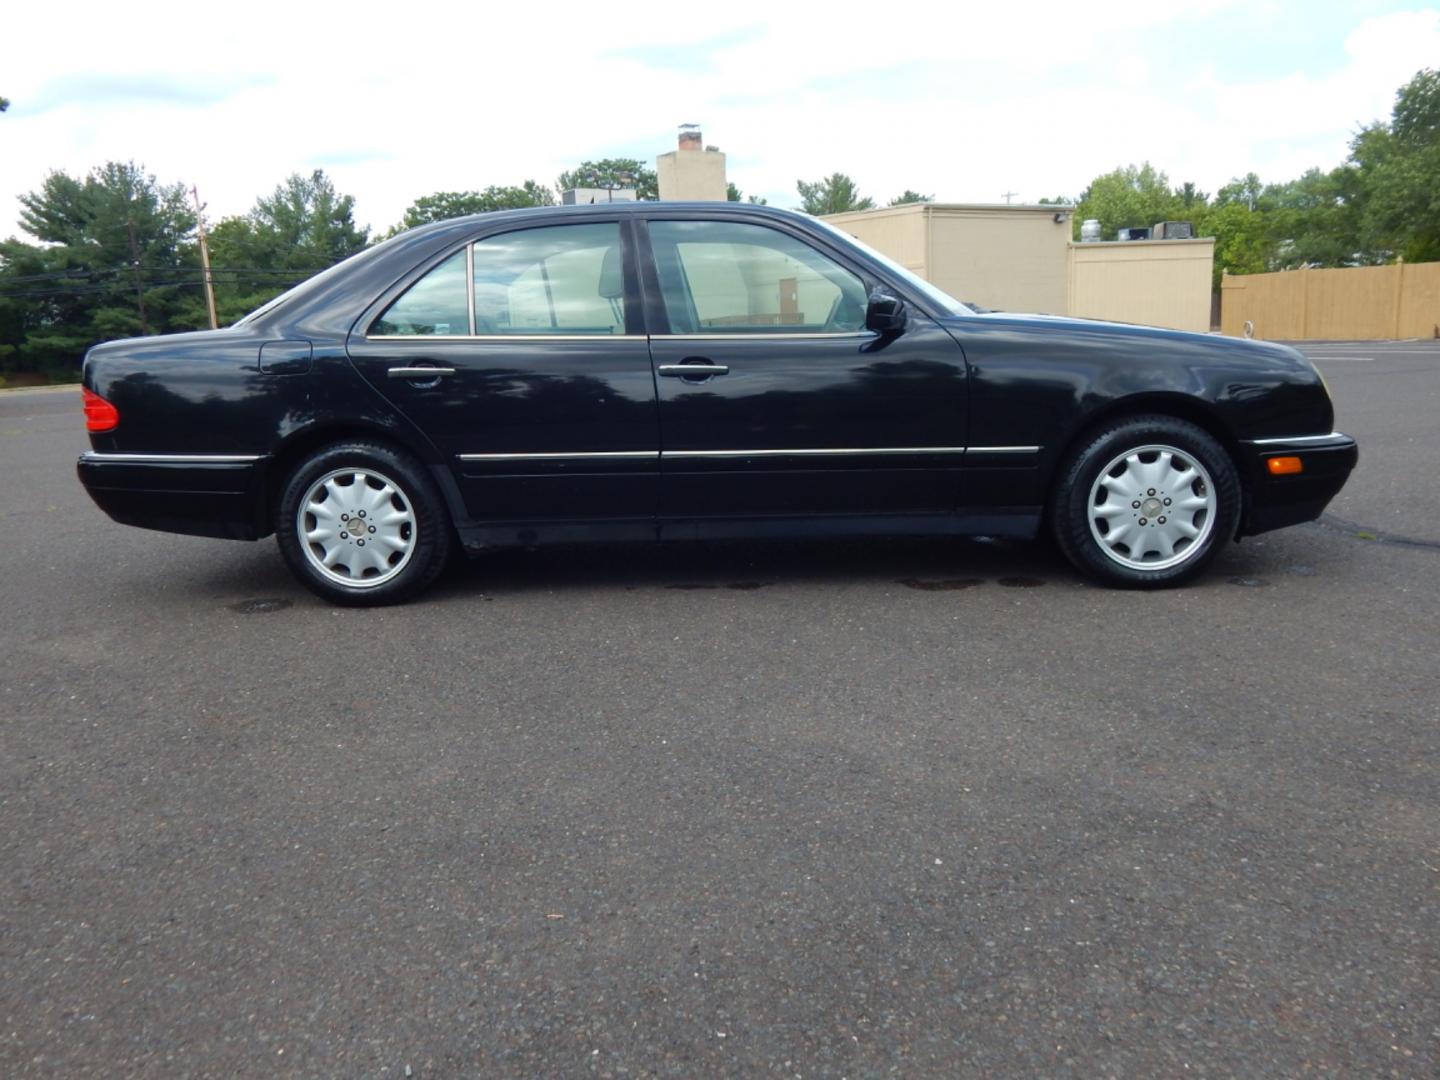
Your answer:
<point x="56" y="389"/>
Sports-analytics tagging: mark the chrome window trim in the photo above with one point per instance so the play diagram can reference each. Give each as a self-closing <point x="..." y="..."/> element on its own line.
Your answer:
<point x="1296" y="439"/>
<point x="760" y="335"/>
<point x="866" y="335"/>
<point x="504" y="337"/>
<point x="171" y="459"/>
<point x="470" y="284"/>
<point x="562" y="456"/>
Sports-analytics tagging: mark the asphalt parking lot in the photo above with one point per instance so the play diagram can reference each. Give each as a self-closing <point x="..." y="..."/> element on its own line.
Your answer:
<point x="817" y="810"/>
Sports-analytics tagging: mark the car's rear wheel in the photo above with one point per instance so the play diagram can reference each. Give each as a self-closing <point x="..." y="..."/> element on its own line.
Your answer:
<point x="1146" y="502"/>
<point x="363" y="524"/>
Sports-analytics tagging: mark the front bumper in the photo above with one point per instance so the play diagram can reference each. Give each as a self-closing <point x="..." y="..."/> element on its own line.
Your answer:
<point x="1277" y="501"/>
<point x="197" y="494"/>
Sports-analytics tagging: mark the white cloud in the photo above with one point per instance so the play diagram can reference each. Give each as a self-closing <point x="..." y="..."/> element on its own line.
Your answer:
<point x="396" y="101"/>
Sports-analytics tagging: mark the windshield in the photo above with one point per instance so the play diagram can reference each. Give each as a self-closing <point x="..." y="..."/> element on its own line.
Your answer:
<point x="941" y="299"/>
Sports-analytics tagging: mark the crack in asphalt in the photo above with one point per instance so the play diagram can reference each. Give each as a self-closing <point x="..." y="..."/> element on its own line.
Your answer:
<point x="1373" y="536"/>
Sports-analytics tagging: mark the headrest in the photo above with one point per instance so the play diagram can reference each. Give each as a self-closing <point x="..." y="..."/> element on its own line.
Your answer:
<point x="612" y="278"/>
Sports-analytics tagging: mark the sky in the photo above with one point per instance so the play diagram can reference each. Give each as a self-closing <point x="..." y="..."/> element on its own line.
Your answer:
<point x="961" y="101"/>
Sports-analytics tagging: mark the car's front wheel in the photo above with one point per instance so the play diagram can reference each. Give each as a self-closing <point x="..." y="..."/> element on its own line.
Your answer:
<point x="363" y="524"/>
<point x="1146" y="502"/>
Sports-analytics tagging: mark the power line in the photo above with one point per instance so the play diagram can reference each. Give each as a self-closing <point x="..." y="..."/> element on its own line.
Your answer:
<point x="260" y="278"/>
<point x="90" y="290"/>
<point x="77" y="274"/>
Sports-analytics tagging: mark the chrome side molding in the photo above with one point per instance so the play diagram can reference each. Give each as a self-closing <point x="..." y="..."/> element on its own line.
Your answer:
<point x="123" y="458"/>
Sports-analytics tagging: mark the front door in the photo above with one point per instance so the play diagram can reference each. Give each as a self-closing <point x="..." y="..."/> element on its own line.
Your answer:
<point x="544" y="399"/>
<point x="775" y="400"/>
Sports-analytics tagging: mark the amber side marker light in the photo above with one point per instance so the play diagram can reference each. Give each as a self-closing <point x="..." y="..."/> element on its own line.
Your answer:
<point x="1284" y="466"/>
<point x="100" y="415"/>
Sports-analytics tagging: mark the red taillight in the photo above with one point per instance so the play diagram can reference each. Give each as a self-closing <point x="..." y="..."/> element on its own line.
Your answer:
<point x="100" y="415"/>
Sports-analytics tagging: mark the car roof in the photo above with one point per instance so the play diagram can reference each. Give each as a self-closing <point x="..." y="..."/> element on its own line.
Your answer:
<point x="626" y="207"/>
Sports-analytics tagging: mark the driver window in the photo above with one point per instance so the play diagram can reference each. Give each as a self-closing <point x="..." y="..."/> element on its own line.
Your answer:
<point x="722" y="277"/>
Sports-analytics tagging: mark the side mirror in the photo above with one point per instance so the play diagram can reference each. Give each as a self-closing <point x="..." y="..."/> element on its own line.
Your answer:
<point x="885" y="313"/>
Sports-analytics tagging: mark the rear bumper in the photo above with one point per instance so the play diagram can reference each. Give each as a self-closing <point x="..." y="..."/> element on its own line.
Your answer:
<point x="197" y="494"/>
<point x="1277" y="501"/>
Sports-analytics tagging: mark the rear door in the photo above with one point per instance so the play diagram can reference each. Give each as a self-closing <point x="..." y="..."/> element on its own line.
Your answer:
<point x="774" y="398"/>
<point x="522" y="357"/>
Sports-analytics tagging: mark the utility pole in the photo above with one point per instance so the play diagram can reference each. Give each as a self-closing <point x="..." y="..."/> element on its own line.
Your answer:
<point x="135" y="263"/>
<point x="1010" y="195"/>
<point x="205" y="259"/>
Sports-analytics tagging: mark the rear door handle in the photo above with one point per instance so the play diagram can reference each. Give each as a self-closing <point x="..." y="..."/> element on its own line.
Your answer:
<point x="682" y="371"/>
<point x="419" y="372"/>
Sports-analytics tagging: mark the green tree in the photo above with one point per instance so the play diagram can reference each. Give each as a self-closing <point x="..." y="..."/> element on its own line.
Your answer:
<point x="1190" y="197"/>
<point x="835" y="194"/>
<point x="305" y="225"/>
<point x="1243" y="243"/>
<point x="109" y="246"/>
<point x="734" y="194"/>
<point x="1415" y="119"/>
<point x="613" y="174"/>
<point x="1398" y="167"/>
<point x="1315" y="220"/>
<point x="1132" y="196"/>
<point x="4" y="103"/>
<point x="908" y="196"/>
<point x="1246" y="190"/>
<point x="443" y="205"/>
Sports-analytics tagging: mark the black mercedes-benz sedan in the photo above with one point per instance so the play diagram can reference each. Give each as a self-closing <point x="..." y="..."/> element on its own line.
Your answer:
<point x="686" y="370"/>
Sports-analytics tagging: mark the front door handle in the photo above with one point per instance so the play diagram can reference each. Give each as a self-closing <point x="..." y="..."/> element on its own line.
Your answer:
<point x="419" y="372"/>
<point x="691" y="370"/>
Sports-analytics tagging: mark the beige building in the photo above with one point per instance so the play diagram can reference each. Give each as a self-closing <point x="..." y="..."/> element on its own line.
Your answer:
<point x="694" y="171"/>
<point x="1021" y="258"/>
<point x="1011" y="258"/>
<point x="1152" y="282"/>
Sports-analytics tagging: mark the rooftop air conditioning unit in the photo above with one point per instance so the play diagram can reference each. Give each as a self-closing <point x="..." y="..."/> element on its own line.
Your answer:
<point x="1133" y="234"/>
<point x="1172" y="230"/>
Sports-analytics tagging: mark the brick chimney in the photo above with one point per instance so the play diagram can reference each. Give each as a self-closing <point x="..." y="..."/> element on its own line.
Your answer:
<point x="691" y="140"/>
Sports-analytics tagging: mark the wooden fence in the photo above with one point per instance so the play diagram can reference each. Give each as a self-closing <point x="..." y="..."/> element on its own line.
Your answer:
<point x="1362" y="303"/>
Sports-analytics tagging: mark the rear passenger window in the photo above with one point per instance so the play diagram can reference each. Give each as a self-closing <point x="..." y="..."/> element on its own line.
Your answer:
<point x="566" y="279"/>
<point x="436" y="305"/>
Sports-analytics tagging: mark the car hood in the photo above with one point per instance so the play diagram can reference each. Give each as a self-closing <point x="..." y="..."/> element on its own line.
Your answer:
<point x="1099" y="333"/>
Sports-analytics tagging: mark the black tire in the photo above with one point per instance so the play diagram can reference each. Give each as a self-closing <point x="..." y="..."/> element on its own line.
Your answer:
<point x="403" y="502"/>
<point x="1122" y="450"/>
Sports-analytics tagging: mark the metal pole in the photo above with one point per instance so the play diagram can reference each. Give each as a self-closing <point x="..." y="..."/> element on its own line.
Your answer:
<point x="205" y="260"/>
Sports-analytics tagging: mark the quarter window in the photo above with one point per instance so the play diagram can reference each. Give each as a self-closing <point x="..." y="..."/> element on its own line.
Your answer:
<point x="728" y="277"/>
<point x="435" y="305"/>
